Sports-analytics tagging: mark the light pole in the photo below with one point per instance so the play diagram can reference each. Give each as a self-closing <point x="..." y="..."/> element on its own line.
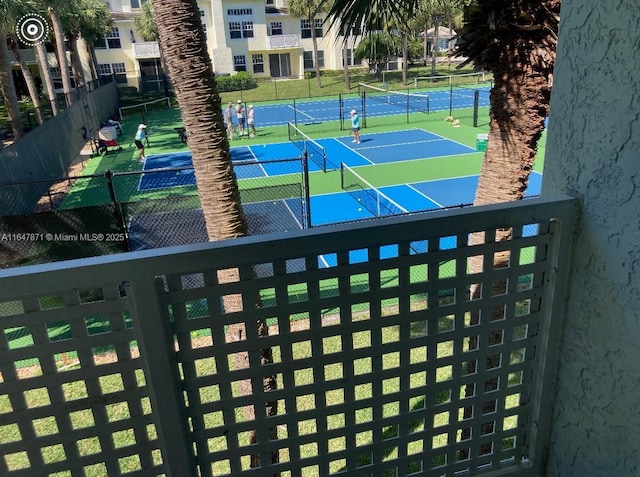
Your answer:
<point x="437" y="18"/>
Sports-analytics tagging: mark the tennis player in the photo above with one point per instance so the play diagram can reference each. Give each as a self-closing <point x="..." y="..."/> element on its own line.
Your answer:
<point x="355" y="126"/>
<point x="141" y="135"/>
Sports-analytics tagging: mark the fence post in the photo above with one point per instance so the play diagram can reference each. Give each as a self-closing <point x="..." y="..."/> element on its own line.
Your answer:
<point x="476" y="103"/>
<point x="451" y="100"/>
<point x="118" y="213"/>
<point x="157" y="351"/>
<point x="305" y="178"/>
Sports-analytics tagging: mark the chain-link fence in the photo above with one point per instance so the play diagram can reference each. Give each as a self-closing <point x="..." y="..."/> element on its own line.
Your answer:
<point x="75" y="217"/>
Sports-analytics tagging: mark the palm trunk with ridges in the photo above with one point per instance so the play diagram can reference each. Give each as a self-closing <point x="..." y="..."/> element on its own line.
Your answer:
<point x="316" y="63"/>
<point x="62" y="54"/>
<point x="519" y="103"/>
<point x="8" y="90"/>
<point x="47" y="80"/>
<point x="28" y="79"/>
<point x="182" y="40"/>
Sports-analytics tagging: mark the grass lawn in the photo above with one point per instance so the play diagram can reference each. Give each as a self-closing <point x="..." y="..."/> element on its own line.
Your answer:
<point x="437" y="406"/>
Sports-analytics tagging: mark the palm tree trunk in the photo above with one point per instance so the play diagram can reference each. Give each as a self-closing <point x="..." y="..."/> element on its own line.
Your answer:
<point x="93" y="67"/>
<point x="181" y="38"/>
<point x="76" y="63"/>
<point x="28" y="79"/>
<point x="316" y="64"/>
<point x="345" y="66"/>
<point x="425" y="43"/>
<point x="62" y="54"/>
<point x="8" y="89"/>
<point x="518" y="110"/>
<point x="434" y="48"/>
<point x="47" y="80"/>
<point x="405" y="58"/>
<point x="94" y="59"/>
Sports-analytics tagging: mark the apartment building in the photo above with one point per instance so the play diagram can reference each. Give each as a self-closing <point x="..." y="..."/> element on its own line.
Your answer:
<point x="257" y="36"/>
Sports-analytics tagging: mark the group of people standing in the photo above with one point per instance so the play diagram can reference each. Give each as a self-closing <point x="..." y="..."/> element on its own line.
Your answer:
<point x="246" y="120"/>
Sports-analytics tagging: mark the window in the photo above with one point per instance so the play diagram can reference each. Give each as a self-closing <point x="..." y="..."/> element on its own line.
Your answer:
<point x="305" y="28"/>
<point x="276" y="28"/>
<point x="247" y="29"/>
<point x="239" y="63"/>
<point x="239" y="11"/>
<point x="235" y="30"/>
<point x="351" y="61"/>
<point x="111" y="40"/>
<point x="270" y="2"/>
<point x="258" y="63"/>
<point x="55" y="72"/>
<point x="204" y="21"/>
<point x="121" y="72"/>
<point x="137" y="3"/>
<point x="103" y="69"/>
<point x="240" y="30"/>
<point x="354" y="31"/>
<point x="307" y="57"/>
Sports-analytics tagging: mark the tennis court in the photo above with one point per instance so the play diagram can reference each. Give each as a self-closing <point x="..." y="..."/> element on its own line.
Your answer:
<point x="375" y="148"/>
<point x="380" y="102"/>
<point x="358" y="199"/>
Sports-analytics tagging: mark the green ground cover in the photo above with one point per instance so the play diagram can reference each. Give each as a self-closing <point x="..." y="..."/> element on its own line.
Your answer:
<point x="112" y="385"/>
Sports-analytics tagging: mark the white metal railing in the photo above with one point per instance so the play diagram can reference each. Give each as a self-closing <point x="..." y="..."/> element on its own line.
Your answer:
<point x="284" y="41"/>
<point x="383" y="364"/>
<point x="147" y="49"/>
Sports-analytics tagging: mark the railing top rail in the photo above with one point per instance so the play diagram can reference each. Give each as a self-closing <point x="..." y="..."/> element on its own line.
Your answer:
<point x="293" y="244"/>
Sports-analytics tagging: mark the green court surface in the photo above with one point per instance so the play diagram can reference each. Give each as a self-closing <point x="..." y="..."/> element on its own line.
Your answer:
<point x="164" y="139"/>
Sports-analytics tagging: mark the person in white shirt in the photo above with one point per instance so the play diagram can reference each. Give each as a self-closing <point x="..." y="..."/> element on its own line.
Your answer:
<point x="240" y="116"/>
<point x="141" y="135"/>
<point x="251" y="120"/>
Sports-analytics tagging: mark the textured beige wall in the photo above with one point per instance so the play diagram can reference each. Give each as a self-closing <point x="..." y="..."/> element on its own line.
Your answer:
<point x="594" y="150"/>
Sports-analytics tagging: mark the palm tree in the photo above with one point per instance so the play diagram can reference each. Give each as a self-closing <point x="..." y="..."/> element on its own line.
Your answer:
<point x="181" y="37"/>
<point x="71" y="19"/>
<point x="94" y="24"/>
<point x="53" y="9"/>
<point x="7" y="86"/>
<point x="47" y="79"/>
<point x="309" y="10"/>
<point x="28" y="78"/>
<point x="11" y="18"/>
<point x="516" y="41"/>
<point x="378" y="49"/>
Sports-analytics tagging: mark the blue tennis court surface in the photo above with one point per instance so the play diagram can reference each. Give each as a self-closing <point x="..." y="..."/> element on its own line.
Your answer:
<point x="376" y="148"/>
<point x="311" y="111"/>
<point x="267" y="160"/>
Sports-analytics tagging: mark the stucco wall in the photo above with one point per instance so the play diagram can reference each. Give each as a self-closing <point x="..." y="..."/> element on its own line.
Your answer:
<point x="594" y="150"/>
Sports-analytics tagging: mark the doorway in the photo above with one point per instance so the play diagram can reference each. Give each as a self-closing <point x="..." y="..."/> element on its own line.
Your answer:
<point x="280" y="65"/>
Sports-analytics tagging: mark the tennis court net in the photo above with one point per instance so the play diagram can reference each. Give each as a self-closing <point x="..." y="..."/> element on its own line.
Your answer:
<point x="367" y="195"/>
<point x="406" y="100"/>
<point x="314" y="151"/>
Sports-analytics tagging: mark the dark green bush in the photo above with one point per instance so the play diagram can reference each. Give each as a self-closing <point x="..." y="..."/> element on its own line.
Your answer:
<point x="239" y="82"/>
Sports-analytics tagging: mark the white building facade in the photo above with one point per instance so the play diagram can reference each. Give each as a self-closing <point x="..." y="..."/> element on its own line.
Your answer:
<point x="256" y="36"/>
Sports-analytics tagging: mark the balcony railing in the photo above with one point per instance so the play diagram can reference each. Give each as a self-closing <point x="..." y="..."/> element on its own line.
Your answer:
<point x="284" y="41"/>
<point x="384" y="365"/>
<point x="147" y="49"/>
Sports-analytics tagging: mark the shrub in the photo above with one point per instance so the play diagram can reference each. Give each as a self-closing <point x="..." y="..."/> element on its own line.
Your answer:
<point x="238" y="82"/>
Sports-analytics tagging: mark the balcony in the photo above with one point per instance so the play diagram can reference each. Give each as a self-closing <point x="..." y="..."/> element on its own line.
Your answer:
<point x="275" y="42"/>
<point x="147" y="49"/>
<point x="127" y="364"/>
